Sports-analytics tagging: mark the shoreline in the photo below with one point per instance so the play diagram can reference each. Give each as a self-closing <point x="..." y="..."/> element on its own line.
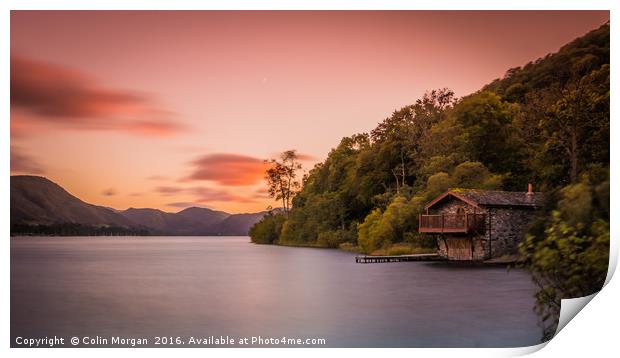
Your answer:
<point x="429" y="256"/>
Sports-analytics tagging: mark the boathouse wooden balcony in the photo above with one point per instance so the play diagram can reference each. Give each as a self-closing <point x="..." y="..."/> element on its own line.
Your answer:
<point x="451" y="223"/>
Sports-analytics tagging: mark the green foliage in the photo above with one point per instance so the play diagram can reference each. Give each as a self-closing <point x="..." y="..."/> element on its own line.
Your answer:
<point x="267" y="231"/>
<point x="381" y="229"/>
<point x="405" y="249"/>
<point x="474" y="175"/>
<point x="563" y="122"/>
<point x="335" y="238"/>
<point x="468" y="175"/>
<point x="487" y="128"/>
<point x="570" y="258"/>
<point x="370" y="232"/>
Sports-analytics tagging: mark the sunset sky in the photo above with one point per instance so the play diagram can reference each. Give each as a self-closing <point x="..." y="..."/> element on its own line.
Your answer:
<point x="175" y="109"/>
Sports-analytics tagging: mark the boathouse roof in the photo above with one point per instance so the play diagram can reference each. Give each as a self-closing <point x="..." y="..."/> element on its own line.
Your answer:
<point x="479" y="197"/>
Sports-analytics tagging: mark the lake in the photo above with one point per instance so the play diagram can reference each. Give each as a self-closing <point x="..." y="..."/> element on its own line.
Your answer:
<point x="212" y="287"/>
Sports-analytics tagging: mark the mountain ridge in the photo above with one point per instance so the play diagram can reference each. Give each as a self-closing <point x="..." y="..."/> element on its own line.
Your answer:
<point x="37" y="202"/>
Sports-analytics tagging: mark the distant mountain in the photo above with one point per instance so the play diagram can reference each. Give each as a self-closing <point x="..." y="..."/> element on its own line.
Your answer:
<point x="194" y="221"/>
<point x="205" y="216"/>
<point x="237" y="224"/>
<point x="191" y="221"/>
<point x="37" y="202"/>
<point x="160" y="222"/>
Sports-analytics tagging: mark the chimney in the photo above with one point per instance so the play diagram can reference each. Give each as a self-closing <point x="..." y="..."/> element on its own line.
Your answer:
<point x="529" y="188"/>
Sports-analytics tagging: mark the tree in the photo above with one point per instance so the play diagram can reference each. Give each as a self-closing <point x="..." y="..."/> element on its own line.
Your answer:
<point x="381" y="229"/>
<point x="267" y="230"/>
<point x="398" y="138"/>
<point x="488" y="134"/>
<point x="578" y="123"/>
<point x="371" y="233"/>
<point x="570" y="257"/>
<point x="282" y="178"/>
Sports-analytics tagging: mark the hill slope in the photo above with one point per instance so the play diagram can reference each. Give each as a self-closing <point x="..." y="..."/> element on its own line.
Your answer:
<point x="237" y="224"/>
<point x="206" y="217"/>
<point x="38" y="201"/>
<point x="158" y="221"/>
<point x="191" y="221"/>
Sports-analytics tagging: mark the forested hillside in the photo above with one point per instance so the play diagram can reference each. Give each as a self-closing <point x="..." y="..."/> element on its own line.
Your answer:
<point x="545" y="123"/>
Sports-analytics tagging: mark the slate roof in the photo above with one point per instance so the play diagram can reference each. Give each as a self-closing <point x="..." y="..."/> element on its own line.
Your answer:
<point x="481" y="197"/>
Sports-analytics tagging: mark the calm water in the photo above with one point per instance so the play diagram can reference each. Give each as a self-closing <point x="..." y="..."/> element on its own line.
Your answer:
<point x="208" y="286"/>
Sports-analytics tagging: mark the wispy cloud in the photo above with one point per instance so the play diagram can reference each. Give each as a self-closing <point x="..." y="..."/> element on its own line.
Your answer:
<point x="261" y="193"/>
<point x="228" y="169"/>
<point x="306" y="157"/>
<point x="59" y="96"/>
<point x="207" y="195"/>
<point x="157" y="177"/>
<point x="109" y="192"/>
<point x="169" y="190"/>
<point x="24" y="163"/>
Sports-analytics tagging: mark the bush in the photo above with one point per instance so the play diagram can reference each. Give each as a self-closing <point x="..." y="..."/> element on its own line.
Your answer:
<point x="368" y="232"/>
<point x="330" y="238"/>
<point x="267" y="231"/>
<point x="420" y="240"/>
<point x="381" y="229"/>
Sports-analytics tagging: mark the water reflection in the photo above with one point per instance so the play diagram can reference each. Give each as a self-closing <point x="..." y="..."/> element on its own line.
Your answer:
<point x="193" y="286"/>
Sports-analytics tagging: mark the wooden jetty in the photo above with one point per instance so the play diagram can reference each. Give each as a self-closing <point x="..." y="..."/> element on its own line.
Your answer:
<point x="365" y="259"/>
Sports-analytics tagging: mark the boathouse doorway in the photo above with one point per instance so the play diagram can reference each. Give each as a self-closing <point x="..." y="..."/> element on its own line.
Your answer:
<point x="459" y="249"/>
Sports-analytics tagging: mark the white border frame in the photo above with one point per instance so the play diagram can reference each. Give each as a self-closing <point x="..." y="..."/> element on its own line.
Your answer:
<point x="592" y="332"/>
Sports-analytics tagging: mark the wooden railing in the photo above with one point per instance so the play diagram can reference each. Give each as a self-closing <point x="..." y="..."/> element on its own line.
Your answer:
<point x="456" y="223"/>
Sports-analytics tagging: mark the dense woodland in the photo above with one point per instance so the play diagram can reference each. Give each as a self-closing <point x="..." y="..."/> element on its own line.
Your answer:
<point x="545" y="123"/>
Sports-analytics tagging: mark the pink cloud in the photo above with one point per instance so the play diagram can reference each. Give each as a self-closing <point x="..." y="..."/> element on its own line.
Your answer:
<point x="306" y="157"/>
<point x="23" y="163"/>
<point x="261" y="193"/>
<point x="206" y="195"/>
<point x="157" y="177"/>
<point x="228" y="169"/>
<point x="60" y="96"/>
<point x="109" y="192"/>
<point x="169" y="190"/>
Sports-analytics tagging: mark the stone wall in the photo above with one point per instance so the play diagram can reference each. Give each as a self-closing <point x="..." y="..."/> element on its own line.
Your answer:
<point x="481" y="248"/>
<point x="508" y="226"/>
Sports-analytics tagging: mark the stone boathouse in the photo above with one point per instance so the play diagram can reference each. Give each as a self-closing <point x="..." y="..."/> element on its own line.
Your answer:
<point x="475" y="225"/>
